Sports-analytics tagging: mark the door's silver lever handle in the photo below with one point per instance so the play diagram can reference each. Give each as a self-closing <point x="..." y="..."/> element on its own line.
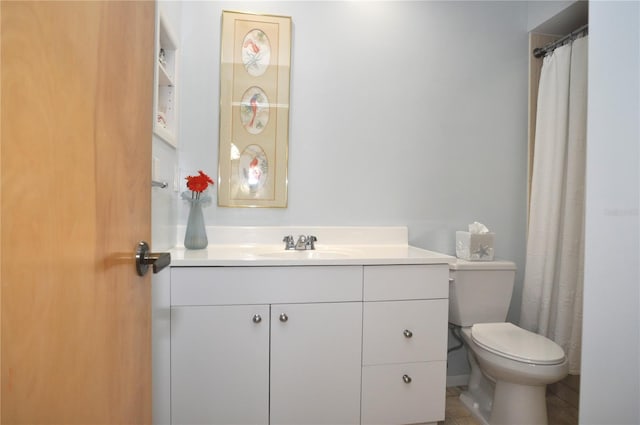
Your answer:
<point x="144" y="258"/>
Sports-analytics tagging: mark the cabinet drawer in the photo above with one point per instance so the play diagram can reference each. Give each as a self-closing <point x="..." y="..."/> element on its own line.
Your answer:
<point x="265" y="285"/>
<point x="388" y="399"/>
<point x="406" y="282"/>
<point x="404" y="331"/>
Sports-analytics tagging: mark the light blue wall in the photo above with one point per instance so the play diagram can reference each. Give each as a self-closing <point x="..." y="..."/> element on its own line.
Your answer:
<point x="410" y="113"/>
<point x="611" y="327"/>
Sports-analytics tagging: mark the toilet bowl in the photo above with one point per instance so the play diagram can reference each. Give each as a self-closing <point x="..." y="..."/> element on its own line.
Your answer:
<point x="518" y="378"/>
<point x="510" y="366"/>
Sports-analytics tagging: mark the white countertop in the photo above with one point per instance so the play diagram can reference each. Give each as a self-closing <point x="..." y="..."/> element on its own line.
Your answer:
<point x="260" y="246"/>
<point x="269" y="255"/>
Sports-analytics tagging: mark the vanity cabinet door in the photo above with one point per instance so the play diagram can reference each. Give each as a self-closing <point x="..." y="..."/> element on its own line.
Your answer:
<point x="220" y="364"/>
<point x="315" y="363"/>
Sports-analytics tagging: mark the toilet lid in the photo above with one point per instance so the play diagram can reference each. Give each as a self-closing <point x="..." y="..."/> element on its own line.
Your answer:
<point x="510" y="341"/>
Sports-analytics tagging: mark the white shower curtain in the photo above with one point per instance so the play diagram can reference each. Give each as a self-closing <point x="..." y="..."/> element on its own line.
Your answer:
<point x="552" y="292"/>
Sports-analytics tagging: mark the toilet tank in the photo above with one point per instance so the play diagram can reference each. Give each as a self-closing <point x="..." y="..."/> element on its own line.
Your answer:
<point x="480" y="291"/>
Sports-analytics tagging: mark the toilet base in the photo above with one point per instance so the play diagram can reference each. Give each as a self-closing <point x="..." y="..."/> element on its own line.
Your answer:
<point x="476" y="409"/>
<point x="511" y="404"/>
<point x="478" y="398"/>
<point x="516" y="404"/>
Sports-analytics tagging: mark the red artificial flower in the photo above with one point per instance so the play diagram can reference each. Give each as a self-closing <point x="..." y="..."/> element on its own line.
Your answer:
<point x="199" y="183"/>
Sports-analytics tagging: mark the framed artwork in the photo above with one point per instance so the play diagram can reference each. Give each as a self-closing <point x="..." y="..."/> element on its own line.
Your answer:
<point x="254" y="110"/>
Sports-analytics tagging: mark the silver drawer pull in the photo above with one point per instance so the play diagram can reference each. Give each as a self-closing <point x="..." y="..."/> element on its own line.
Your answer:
<point x="257" y="318"/>
<point x="406" y="379"/>
<point x="284" y="317"/>
<point x="407" y="333"/>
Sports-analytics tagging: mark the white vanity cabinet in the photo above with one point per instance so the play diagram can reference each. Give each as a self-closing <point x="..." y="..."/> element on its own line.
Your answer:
<point x="258" y="345"/>
<point x="330" y="344"/>
<point x="404" y="343"/>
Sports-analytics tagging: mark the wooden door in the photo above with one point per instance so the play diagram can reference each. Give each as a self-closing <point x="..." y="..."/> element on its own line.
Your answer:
<point x="76" y="98"/>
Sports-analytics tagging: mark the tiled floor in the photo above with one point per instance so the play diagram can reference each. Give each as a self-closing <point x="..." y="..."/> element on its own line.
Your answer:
<point x="455" y="413"/>
<point x="562" y="405"/>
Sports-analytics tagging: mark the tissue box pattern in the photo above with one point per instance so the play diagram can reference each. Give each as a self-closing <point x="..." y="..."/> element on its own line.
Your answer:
<point x="474" y="246"/>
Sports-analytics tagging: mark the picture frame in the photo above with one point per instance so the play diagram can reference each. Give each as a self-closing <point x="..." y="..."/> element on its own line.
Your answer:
<point x="255" y="62"/>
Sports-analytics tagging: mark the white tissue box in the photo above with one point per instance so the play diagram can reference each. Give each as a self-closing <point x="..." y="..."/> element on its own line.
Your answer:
<point x="474" y="246"/>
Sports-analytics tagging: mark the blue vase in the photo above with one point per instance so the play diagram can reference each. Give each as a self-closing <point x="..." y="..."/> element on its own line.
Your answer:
<point x="196" y="235"/>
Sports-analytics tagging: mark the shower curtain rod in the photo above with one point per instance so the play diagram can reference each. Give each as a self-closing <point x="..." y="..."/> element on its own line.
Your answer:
<point x="539" y="52"/>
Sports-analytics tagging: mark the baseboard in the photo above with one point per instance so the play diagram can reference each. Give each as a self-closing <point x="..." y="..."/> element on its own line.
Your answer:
<point x="457" y="380"/>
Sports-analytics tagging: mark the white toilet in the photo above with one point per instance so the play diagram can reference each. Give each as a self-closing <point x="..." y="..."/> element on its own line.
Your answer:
<point x="510" y="366"/>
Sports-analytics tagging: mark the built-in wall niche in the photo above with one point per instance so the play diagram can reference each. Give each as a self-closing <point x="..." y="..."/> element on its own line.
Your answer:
<point x="165" y="122"/>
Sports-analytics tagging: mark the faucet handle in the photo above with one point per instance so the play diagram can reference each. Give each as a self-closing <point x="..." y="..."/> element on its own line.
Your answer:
<point x="288" y="240"/>
<point x="310" y="244"/>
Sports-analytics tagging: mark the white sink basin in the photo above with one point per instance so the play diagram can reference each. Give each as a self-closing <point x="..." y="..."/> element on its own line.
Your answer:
<point x="309" y="254"/>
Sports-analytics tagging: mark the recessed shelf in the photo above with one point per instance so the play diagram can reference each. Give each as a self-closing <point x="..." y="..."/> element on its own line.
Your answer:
<point x="165" y="117"/>
<point x="164" y="79"/>
<point x="165" y="135"/>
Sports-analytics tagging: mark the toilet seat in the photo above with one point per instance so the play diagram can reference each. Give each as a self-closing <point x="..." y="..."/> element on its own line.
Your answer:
<point x="512" y="342"/>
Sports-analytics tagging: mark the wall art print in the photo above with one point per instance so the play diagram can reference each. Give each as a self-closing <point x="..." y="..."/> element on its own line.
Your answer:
<point x="254" y="110"/>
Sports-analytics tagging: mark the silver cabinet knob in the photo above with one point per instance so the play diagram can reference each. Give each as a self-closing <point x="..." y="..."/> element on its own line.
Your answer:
<point x="407" y="333"/>
<point x="283" y="317"/>
<point x="406" y="379"/>
<point x="257" y="318"/>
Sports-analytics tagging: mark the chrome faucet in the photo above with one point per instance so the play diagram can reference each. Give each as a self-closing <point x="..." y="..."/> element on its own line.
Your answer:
<point x="302" y="244"/>
<point x="288" y="243"/>
<point x="311" y="240"/>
